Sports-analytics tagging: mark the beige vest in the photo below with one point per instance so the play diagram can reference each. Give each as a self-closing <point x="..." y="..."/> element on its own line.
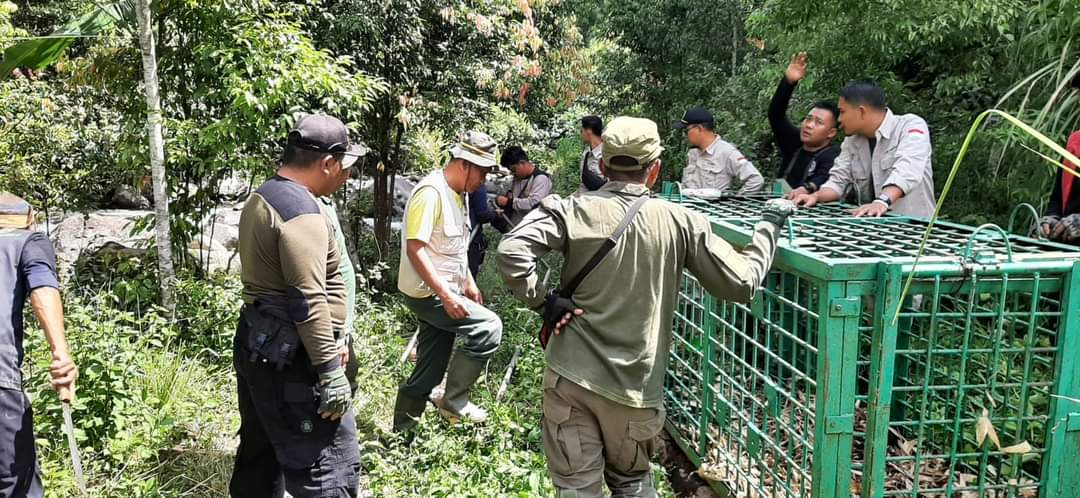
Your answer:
<point x="448" y="248"/>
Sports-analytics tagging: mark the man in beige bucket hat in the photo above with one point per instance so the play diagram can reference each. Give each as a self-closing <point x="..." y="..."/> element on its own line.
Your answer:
<point x="438" y="287"/>
<point x="603" y="386"/>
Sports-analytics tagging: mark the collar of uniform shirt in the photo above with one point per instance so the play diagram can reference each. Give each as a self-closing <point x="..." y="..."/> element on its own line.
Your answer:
<point x="623" y="187"/>
<point x="597" y="151"/>
<point x="711" y="149"/>
<point x="888" y="125"/>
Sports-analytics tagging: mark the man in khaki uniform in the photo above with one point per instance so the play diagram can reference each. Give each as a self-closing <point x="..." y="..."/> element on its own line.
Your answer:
<point x="603" y="386"/>
<point x="886" y="158"/>
<point x="711" y="163"/>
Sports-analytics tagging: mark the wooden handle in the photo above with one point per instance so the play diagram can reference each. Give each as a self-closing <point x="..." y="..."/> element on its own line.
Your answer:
<point x="65" y="394"/>
<point x="545" y="335"/>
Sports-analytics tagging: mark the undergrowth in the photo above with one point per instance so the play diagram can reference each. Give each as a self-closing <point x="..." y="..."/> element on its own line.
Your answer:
<point x="155" y="410"/>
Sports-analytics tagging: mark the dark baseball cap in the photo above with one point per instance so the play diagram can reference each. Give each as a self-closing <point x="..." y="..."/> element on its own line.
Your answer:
<point x="693" y="116"/>
<point x="322" y="133"/>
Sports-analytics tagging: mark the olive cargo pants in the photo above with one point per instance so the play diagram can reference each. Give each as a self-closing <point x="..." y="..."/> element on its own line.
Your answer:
<point x="590" y="440"/>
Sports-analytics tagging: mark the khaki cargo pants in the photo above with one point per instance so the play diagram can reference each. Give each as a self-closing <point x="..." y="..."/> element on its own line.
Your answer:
<point x="590" y="440"/>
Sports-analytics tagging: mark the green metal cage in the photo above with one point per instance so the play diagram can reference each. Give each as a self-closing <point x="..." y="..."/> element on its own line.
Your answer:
<point x="814" y="389"/>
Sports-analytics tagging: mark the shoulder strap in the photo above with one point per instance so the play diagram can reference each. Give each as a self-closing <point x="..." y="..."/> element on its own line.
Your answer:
<point x="605" y="248"/>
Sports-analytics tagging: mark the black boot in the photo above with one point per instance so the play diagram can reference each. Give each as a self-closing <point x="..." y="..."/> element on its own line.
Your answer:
<point x="407" y="411"/>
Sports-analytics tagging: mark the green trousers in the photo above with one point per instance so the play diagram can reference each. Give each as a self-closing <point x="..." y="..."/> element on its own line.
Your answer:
<point x="481" y="333"/>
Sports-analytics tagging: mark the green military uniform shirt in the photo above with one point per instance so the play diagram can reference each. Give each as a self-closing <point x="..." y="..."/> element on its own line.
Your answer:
<point x="348" y="273"/>
<point x="619" y="347"/>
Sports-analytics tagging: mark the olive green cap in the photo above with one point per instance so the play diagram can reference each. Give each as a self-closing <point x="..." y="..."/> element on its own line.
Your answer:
<point x="631" y="144"/>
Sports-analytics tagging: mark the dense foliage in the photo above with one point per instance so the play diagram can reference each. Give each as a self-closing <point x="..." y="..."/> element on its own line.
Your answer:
<point x="155" y="411"/>
<point x="946" y="61"/>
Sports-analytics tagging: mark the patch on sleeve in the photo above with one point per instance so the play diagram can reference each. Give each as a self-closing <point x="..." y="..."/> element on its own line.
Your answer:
<point x="917" y="130"/>
<point x="298" y="307"/>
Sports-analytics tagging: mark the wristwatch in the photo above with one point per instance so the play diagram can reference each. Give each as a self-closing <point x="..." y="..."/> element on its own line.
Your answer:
<point x="884" y="199"/>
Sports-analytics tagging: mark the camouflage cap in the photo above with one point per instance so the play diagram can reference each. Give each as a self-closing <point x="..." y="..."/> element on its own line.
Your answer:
<point x="631" y="144"/>
<point x="477" y="148"/>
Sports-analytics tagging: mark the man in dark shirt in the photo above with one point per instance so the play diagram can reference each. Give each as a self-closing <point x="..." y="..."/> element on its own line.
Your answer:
<point x="807" y="152"/>
<point x="297" y="429"/>
<point x="531" y="185"/>
<point x="592" y="127"/>
<point x="1062" y="220"/>
<point x="27" y="269"/>
<point x="480" y="214"/>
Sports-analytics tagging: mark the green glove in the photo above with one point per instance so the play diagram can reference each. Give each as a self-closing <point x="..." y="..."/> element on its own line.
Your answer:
<point x="777" y="211"/>
<point x="334" y="392"/>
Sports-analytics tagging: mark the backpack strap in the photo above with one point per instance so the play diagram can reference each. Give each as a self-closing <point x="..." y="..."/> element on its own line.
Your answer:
<point x="604" y="249"/>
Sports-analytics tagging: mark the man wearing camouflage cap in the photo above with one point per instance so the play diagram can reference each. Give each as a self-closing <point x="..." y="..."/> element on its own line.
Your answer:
<point x="438" y="287"/>
<point x="603" y="385"/>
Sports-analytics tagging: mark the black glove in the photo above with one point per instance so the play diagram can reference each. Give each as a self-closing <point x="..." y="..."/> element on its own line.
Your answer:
<point x="555" y="307"/>
<point x="335" y="395"/>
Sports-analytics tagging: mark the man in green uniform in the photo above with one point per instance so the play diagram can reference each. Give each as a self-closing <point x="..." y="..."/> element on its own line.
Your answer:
<point x="438" y="287"/>
<point x="603" y="386"/>
<point x="348" y="275"/>
<point x="297" y="429"/>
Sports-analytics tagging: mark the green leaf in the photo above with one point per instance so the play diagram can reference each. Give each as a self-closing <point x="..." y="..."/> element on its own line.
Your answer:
<point x="38" y="53"/>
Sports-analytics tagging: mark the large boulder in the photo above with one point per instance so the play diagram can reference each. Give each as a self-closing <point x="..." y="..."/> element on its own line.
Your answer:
<point x="216" y="245"/>
<point x="498" y="185"/>
<point x="128" y="197"/>
<point x="113" y="231"/>
<point x="235" y="187"/>
<point x="403" y="187"/>
<point x="88" y="234"/>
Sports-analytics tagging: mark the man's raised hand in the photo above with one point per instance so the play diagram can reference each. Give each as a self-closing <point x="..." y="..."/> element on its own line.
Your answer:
<point x="796" y="70"/>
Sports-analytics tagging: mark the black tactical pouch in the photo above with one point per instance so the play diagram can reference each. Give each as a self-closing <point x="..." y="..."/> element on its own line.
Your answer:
<point x="271" y="339"/>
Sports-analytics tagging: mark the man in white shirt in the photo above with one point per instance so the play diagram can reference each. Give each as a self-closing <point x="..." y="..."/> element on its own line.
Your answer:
<point x="886" y="158"/>
<point x="592" y="127"/>
<point x="713" y="163"/>
<point x="438" y="288"/>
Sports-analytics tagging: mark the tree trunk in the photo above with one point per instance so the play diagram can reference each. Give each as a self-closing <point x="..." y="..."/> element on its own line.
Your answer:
<point x="157" y="156"/>
<point x="382" y="209"/>
<point x="735" y="39"/>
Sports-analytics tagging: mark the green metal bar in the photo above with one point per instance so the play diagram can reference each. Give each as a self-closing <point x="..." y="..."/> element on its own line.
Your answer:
<point x="1029" y="345"/>
<point x="984" y="460"/>
<point x="958" y="413"/>
<point x="707" y="375"/>
<point x="1033" y="227"/>
<point x="992" y="227"/>
<point x="935" y="306"/>
<point x="1059" y="472"/>
<point x="882" y="358"/>
<point x="954" y="270"/>
<point x="838" y="331"/>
